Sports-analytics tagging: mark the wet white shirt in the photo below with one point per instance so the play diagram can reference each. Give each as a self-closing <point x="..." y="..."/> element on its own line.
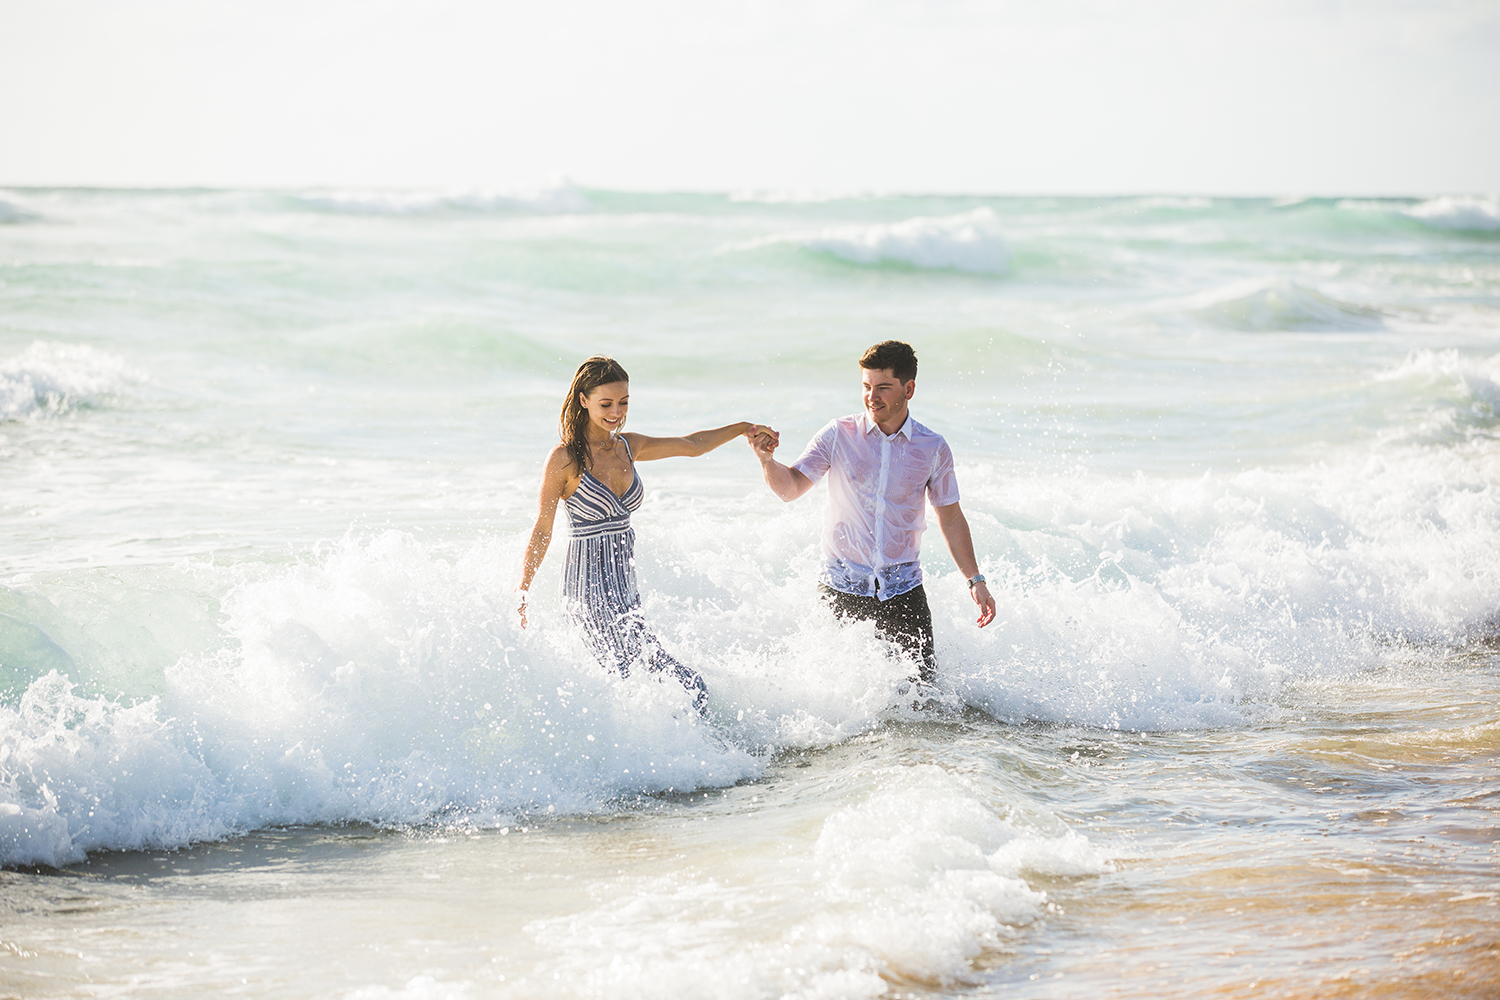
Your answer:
<point x="877" y="485"/>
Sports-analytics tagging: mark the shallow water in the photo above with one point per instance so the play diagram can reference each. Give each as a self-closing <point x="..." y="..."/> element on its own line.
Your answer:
<point x="1352" y="852"/>
<point x="268" y="724"/>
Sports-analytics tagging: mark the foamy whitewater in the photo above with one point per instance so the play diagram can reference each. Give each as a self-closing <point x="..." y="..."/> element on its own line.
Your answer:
<point x="269" y="722"/>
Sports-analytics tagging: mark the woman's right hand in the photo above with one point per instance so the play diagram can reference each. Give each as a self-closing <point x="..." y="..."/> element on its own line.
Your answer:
<point x="521" y="608"/>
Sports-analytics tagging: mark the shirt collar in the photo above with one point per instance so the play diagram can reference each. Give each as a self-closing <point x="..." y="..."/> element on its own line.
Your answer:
<point x="866" y="425"/>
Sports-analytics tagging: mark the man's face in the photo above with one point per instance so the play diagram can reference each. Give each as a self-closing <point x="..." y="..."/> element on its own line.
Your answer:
<point x="885" y="395"/>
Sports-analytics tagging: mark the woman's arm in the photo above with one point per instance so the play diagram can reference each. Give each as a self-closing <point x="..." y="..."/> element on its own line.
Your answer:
<point x="554" y="484"/>
<point x="646" y="449"/>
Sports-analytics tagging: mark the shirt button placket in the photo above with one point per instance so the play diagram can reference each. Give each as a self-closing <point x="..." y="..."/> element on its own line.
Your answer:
<point x="885" y="474"/>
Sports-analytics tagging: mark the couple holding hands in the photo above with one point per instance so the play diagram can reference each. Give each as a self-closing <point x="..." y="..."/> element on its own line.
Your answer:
<point x="882" y="469"/>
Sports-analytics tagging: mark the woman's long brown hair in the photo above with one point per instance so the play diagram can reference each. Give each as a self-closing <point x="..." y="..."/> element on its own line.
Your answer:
<point x="573" y="425"/>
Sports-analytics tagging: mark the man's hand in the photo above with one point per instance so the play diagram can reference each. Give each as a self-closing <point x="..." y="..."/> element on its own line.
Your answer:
<point x="955" y="529"/>
<point x="981" y="595"/>
<point x="764" y="440"/>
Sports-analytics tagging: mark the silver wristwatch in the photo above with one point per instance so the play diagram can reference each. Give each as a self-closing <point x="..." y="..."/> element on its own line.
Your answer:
<point x="976" y="578"/>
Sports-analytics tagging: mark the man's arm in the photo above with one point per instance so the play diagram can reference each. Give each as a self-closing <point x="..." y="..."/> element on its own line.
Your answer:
<point x="785" y="482"/>
<point x="955" y="529"/>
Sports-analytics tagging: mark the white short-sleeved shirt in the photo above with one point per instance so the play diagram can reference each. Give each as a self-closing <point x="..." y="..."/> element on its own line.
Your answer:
<point x="877" y="485"/>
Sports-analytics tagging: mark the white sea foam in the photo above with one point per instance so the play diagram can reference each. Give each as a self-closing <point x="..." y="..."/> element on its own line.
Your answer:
<point x="51" y="378"/>
<point x="381" y="680"/>
<point x="1158" y="604"/>
<point x="1477" y="378"/>
<point x="417" y="988"/>
<point x="1454" y="396"/>
<point x="560" y="198"/>
<point x="1457" y="212"/>
<point x="907" y="882"/>
<point x="970" y="242"/>
<point x="355" y="686"/>
<point x="377" y="683"/>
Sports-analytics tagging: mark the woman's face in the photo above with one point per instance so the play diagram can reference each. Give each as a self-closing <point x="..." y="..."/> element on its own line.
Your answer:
<point x="607" y="405"/>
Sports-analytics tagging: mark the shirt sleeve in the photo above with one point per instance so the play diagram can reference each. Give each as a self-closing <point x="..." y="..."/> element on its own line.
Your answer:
<point x="817" y="457"/>
<point x="942" y="485"/>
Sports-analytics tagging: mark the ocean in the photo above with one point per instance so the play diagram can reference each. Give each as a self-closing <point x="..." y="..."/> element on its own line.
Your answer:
<point x="269" y="725"/>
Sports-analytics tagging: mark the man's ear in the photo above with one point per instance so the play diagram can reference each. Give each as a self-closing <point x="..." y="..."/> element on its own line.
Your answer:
<point x="911" y="388"/>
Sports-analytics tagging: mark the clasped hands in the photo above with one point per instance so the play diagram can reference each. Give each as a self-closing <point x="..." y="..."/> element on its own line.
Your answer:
<point x="763" y="439"/>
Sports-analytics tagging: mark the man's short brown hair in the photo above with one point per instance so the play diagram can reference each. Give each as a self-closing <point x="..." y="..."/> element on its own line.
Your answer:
<point x="891" y="355"/>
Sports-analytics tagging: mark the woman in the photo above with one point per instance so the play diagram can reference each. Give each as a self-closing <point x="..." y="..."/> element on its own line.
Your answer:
<point x="592" y="473"/>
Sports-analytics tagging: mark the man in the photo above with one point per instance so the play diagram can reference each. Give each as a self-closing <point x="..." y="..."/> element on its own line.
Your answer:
<point x="882" y="466"/>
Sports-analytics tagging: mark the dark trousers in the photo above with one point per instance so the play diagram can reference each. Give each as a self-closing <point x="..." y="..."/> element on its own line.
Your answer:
<point x="905" y="620"/>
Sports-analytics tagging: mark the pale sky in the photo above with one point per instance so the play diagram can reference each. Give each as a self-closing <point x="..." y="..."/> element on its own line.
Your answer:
<point x="1074" y="96"/>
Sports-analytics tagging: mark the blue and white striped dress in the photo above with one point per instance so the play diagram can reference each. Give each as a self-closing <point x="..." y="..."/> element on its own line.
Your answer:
<point x="599" y="588"/>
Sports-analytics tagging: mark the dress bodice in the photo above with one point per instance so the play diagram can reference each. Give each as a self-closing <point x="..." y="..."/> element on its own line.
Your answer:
<point x="595" y="509"/>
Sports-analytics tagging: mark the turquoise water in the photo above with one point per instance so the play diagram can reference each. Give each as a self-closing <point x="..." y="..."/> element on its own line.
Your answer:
<point x="268" y="723"/>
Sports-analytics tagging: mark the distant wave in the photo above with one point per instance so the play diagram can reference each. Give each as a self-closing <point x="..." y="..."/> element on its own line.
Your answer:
<point x="969" y="242"/>
<point x="49" y="379"/>
<point x="794" y="197"/>
<point x="1462" y="213"/>
<point x="561" y="198"/>
<point x="1267" y="305"/>
<point x="1458" y="213"/>
<point x="11" y="213"/>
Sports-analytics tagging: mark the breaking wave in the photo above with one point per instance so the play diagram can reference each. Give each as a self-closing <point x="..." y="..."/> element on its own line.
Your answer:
<point x="1452" y="397"/>
<point x="385" y="680"/>
<point x="1460" y="213"/>
<point x="1278" y="304"/>
<point x="970" y="242"/>
<point x="48" y="379"/>
<point x="563" y="198"/>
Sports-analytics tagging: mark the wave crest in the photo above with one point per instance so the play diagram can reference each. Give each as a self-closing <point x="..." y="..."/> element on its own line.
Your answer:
<point x="376" y="683"/>
<point x="50" y="379"/>
<point x="1459" y="213"/>
<point x="559" y="199"/>
<point x="970" y="242"/>
<point x="1461" y="398"/>
<point x="1279" y="304"/>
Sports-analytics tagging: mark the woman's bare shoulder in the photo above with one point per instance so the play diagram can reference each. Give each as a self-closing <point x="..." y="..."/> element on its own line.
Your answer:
<point x="643" y="447"/>
<point x="560" y="467"/>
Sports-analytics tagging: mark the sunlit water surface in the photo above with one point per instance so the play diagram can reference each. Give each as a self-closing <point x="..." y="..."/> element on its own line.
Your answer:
<point x="269" y="727"/>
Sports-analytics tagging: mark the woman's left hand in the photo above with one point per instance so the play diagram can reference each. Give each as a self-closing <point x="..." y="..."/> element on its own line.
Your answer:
<point x="763" y="438"/>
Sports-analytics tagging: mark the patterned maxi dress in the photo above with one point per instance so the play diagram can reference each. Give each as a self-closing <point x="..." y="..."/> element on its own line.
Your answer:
<point x="599" y="588"/>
